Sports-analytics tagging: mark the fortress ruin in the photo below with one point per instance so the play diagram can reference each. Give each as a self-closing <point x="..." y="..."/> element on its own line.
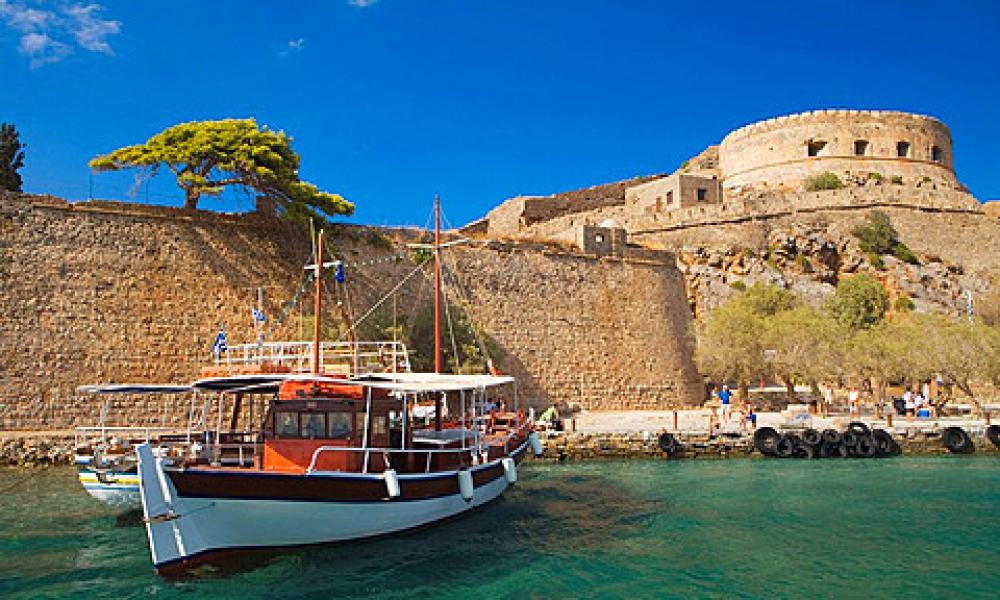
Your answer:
<point x="873" y="158"/>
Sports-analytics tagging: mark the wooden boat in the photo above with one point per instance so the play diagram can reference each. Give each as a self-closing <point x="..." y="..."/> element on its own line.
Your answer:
<point x="336" y="458"/>
<point x="341" y="459"/>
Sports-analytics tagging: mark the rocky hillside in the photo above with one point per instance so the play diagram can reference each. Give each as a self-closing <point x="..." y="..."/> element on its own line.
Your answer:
<point x="810" y="259"/>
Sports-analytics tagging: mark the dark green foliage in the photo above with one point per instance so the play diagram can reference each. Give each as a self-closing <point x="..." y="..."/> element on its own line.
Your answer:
<point x="824" y="181"/>
<point x="897" y="180"/>
<point x="878" y="237"/>
<point x="379" y="240"/>
<point x="804" y="262"/>
<point x="859" y="302"/>
<point x="903" y="304"/>
<point x="11" y="158"/>
<point x="421" y="255"/>
<point x="738" y="285"/>
<point x="768" y="299"/>
<point x="875" y="176"/>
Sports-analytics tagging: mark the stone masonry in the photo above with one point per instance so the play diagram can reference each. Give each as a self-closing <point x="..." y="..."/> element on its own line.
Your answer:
<point x="106" y="292"/>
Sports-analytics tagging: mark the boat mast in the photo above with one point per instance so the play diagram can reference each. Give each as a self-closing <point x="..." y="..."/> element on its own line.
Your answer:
<point x="318" y="304"/>
<point x="437" y="305"/>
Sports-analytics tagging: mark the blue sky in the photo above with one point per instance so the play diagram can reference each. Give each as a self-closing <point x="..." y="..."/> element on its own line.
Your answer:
<point x="392" y="101"/>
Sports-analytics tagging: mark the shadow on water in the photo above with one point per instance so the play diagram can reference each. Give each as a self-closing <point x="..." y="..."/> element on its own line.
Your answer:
<point x="550" y="513"/>
<point x="129" y="518"/>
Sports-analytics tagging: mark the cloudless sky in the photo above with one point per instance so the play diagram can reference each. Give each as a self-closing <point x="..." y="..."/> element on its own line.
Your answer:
<point x="393" y="101"/>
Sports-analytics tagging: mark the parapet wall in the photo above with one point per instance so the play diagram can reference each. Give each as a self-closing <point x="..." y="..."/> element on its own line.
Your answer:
<point x="785" y="151"/>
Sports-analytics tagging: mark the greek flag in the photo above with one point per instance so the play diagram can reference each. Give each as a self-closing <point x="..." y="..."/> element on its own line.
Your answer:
<point x="340" y="272"/>
<point x="258" y="315"/>
<point x="220" y="342"/>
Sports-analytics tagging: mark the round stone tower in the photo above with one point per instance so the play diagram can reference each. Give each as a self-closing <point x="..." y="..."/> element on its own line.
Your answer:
<point x="785" y="151"/>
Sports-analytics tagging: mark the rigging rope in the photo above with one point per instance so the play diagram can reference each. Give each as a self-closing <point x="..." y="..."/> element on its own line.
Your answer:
<point x="382" y="300"/>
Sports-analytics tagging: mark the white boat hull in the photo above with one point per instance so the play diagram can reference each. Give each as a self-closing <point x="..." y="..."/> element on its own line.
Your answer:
<point x="120" y="490"/>
<point x="181" y="528"/>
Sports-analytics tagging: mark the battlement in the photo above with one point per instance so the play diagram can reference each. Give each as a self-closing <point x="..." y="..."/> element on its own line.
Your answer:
<point x="826" y="115"/>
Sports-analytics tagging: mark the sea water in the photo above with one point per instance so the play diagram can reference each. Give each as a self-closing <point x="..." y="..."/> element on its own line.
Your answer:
<point x="893" y="528"/>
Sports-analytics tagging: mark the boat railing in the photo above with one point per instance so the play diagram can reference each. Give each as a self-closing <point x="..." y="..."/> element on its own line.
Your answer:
<point x="429" y="453"/>
<point x="353" y="357"/>
<point x="84" y="433"/>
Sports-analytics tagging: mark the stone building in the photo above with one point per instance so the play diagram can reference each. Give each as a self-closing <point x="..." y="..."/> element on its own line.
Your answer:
<point x="679" y="190"/>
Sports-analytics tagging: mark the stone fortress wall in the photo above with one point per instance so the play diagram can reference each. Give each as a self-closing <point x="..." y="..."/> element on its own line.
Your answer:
<point x="99" y="292"/>
<point x="786" y="150"/>
<point x="761" y="171"/>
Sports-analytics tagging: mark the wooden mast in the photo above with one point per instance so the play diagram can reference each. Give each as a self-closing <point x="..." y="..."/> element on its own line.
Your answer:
<point x="318" y="305"/>
<point x="437" y="306"/>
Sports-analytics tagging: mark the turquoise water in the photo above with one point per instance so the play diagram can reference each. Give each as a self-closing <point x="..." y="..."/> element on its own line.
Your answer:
<point x="903" y="527"/>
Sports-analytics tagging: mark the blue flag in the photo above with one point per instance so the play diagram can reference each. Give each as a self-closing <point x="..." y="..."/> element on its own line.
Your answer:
<point x="340" y="273"/>
<point x="258" y="315"/>
<point x="220" y="345"/>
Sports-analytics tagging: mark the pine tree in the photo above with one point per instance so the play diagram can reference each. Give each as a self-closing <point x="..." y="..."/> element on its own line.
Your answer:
<point x="11" y="158"/>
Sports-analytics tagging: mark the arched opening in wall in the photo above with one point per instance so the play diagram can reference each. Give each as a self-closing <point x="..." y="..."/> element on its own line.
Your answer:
<point x="861" y="147"/>
<point x="937" y="154"/>
<point x="816" y="147"/>
<point x="903" y="149"/>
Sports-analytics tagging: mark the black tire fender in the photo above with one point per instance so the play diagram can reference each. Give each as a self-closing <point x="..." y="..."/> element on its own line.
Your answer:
<point x="832" y="436"/>
<point x="784" y="448"/>
<point x="993" y="433"/>
<point x="765" y="439"/>
<point x="884" y="443"/>
<point x="858" y="428"/>
<point x="812" y="437"/>
<point x="957" y="441"/>
<point x="667" y="442"/>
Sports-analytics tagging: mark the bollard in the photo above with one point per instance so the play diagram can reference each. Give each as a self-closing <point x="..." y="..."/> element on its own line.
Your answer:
<point x="675" y="420"/>
<point x="888" y="420"/>
<point x="572" y="425"/>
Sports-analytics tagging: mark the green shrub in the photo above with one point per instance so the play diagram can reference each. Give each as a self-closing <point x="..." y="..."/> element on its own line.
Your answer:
<point x="859" y="302"/>
<point x="897" y="180"/>
<point x="877" y="177"/>
<point x="421" y="255"/>
<point x="875" y="260"/>
<point x="927" y="179"/>
<point x="379" y="240"/>
<point x="903" y="253"/>
<point x="804" y="262"/>
<point x="903" y="304"/>
<point x="738" y="285"/>
<point x="824" y="181"/>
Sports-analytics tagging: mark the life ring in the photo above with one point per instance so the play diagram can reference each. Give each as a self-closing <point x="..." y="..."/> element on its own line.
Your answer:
<point x="993" y="433"/>
<point x="667" y="443"/>
<point x="765" y="439"/>
<point x="957" y="441"/>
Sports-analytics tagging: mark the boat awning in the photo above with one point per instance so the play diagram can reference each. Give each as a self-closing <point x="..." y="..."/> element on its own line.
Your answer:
<point x="260" y="384"/>
<point x="415" y="382"/>
<point x="134" y="388"/>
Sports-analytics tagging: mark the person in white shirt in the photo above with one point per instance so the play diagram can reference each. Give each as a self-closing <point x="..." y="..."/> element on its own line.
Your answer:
<point x="908" y="403"/>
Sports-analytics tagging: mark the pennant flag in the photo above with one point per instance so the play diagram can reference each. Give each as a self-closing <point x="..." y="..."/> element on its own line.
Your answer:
<point x="340" y="272"/>
<point x="220" y="345"/>
<point x="258" y="315"/>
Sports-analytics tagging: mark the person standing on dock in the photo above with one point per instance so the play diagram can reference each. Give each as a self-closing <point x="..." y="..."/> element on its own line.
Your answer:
<point x="724" y="397"/>
<point x="854" y="406"/>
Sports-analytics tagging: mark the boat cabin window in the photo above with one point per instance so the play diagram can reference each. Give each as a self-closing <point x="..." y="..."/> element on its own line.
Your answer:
<point x="313" y="425"/>
<point x="286" y="424"/>
<point x="340" y="425"/>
